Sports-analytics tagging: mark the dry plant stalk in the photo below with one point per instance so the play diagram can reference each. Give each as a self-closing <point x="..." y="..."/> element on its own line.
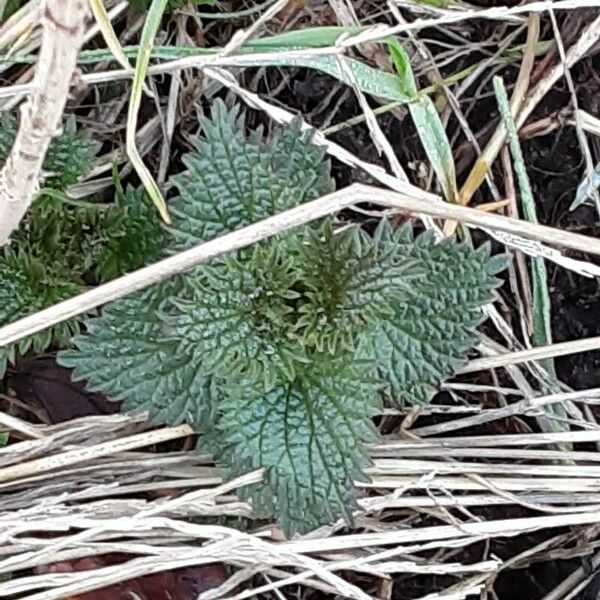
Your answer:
<point x="409" y="201"/>
<point x="63" y="23"/>
<point x="523" y="104"/>
<point x="89" y="519"/>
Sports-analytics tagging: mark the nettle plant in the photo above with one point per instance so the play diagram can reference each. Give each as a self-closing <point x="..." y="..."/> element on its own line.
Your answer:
<point x="281" y="354"/>
<point x="64" y="246"/>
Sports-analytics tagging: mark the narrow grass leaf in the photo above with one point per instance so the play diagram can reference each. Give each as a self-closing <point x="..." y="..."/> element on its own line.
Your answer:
<point x="406" y="79"/>
<point x="427" y="121"/>
<point x="315" y="37"/>
<point x="369" y="80"/>
<point x="108" y="33"/>
<point x="541" y="306"/>
<point x="437" y="3"/>
<point x="151" y="26"/>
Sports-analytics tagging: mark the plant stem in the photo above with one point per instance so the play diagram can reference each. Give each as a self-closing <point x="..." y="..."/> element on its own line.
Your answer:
<point x="63" y="24"/>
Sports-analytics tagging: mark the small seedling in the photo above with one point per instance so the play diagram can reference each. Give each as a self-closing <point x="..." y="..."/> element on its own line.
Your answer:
<point x="281" y="354"/>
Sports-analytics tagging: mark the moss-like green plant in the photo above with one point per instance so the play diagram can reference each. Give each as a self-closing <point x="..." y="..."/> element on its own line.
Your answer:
<point x="63" y="246"/>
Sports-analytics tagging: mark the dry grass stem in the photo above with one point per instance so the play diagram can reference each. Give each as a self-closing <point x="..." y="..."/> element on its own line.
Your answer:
<point x="63" y="24"/>
<point x="539" y="353"/>
<point x="285" y="221"/>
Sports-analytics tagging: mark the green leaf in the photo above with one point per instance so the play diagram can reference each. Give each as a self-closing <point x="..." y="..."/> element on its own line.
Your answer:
<point x="437" y="3"/>
<point x="236" y="320"/>
<point x="135" y="235"/>
<point x="369" y="80"/>
<point x="141" y="6"/>
<point x="542" y="330"/>
<point x="406" y="80"/>
<point x="149" y="31"/>
<point x="264" y="313"/>
<point x="61" y="244"/>
<point x="428" y="123"/>
<point x="307" y="434"/>
<point x="103" y="22"/>
<point x="26" y="286"/>
<point x="312" y="37"/>
<point x="69" y="156"/>
<point x="129" y="354"/>
<point x="434" y="320"/>
<point x="436" y="144"/>
<point x="64" y="238"/>
<point x="350" y="281"/>
<point x="233" y="180"/>
<point x="54" y="246"/>
<point x="540" y="296"/>
<point x="278" y="353"/>
<point x="300" y="169"/>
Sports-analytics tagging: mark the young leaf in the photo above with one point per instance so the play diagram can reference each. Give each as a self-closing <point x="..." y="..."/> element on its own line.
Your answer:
<point x="233" y="180"/>
<point x="56" y="251"/>
<point x="350" y="280"/>
<point x="29" y="285"/>
<point x="135" y="236"/>
<point x="62" y="245"/>
<point x="432" y="327"/>
<point x="128" y="354"/>
<point x="436" y="144"/>
<point x="406" y="80"/>
<point x="428" y="123"/>
<point x="69" y="156"/>
<point x="54" y="245"/>
<point x="237" y="322"/>
<point x="307" y="433"/>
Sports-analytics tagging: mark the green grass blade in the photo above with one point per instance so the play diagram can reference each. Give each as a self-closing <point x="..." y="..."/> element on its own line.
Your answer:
<point x="428" y="123"/>
<point x="435" y="141"/>
<point x="437" y="3"/>
<point x="541" y="331"/>
<point x="314" y="37"/>
<point x="406" y="79"/>
<point x="369" y="80"/>
<point x="151" y="26"/>
<point x="541" y="309"/>
<point x="109" y="35"/>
